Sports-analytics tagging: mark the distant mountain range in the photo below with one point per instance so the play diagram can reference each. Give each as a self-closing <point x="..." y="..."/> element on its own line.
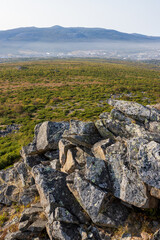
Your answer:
<point x="70" y="34"/>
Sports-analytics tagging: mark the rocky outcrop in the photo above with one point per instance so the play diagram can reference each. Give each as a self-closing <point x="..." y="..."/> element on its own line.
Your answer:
<point x="89" y="176"/>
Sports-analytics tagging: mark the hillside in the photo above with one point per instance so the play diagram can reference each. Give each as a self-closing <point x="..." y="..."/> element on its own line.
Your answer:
<point x="70" y="34"/>
<point x="32" y="92"/>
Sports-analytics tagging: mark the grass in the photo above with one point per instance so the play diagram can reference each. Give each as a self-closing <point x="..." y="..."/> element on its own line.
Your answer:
<point x="66" y="89"/>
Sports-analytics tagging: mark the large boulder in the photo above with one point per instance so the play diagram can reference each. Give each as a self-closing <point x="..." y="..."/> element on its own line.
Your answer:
<point x="135" y="110"/>
<point x="149" y="166"/>
<point x="96" y="202"/>
<point x="126" y="183"/>
<point x="46" y="137"/>
<point x="53" y="191"/>
<point x="82" y="133"/>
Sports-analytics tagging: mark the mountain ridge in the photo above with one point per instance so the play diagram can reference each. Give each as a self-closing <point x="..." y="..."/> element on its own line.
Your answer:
<point x="71" y="34"/>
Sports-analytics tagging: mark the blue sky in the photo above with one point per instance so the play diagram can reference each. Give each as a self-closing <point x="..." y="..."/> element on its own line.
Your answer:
<point x="132" y="16"/>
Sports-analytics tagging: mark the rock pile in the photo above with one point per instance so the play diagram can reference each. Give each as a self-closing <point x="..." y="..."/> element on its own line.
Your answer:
<point x="89" y="176"/>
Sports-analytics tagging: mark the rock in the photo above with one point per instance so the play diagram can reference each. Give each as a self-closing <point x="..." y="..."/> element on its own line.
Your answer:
<point x="145" y="236"/>
<point x="30" y="149"/>
<point x="30" y="213"/>
<point x="126" y="183"/>
<point x="52" y="155"/>
<point x="33" y="160"/>
<point x="135" y="110"/>
<point x="154" y="127"/>
<point x="96" y="172"/>
<point x="17" y="236"/>
<point x="89" y="196"/>
<point x="96" y="202"/>
<point x="126" y="236"/>
<point x="28" y="195"/>
<point x="53" y="191"/>
<point x="155" y="192"/>
<point x="46" y="138"/>
<point x="133" y="146"/>
<point x="12" y="193"/>
<point x="70" y="163"/>
<point x="149" y="165"/>
<point x="3" y="198"/>
<point x="82" y="133"/>
<point x="64" y="231"/>
<point x="156" y="235"/>
<point x="104" y="115"/>
<point x="49" y="135"/>
<point x="84" y="140"/>
<point x="103" y="131"/>
<point x="37" y="226"/>
<point x="55" y="164"/>
<point x="117" y="115"/>
<point x="99" y="148"/>
<point x="24" y="225"/>
<point x="64" y="145"/>
<point x="63" y="215"/>
<point x="80" y="128"/>
<point x="76" y="158"/>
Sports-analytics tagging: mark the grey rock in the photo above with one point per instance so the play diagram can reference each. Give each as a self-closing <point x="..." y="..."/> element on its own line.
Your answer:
<point x="84" y="140"/>
<point x="80" y="128"/>
<point x="149" y="164"/>
<point x="117" y="115"/>
<point x="89" y="196"/>
<point x="37" y="226"/>
<point x="29" y="213"/>
<point x="9" y="129"/>
<point x="82" y="133"/>
<point x="97" y="173"/>
<point x="53" y="191"/>
<point x="113" y="215"/>
<point x="63" y="215"/>
<point x="104" y="115"/>
<point x="28" y="195"/>
<point x="3" y="198"/>
<point x="62" y="231"/>
<point x="154" y="127"/>
<point x="30" y="149"/>
<point x="46" y="138"/>
<point x="49" y="135"/>
<point x="127" y="185"/>
<point x="51" y="155"/>
<point x="135" y="110"/>
<point x="12" y="193"/>
<point x="96" y="202"/>
<point x="103" y="131"/>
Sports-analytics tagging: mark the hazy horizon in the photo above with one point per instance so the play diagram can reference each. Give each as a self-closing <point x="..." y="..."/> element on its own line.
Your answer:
<point x="141" y="17"/>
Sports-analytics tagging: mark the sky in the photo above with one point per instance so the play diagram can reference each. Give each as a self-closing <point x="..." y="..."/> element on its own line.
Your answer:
<point x="130" y="16"/>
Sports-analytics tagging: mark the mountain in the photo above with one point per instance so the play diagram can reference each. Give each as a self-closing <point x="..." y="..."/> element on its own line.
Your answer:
<point x="70" y="34"/>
